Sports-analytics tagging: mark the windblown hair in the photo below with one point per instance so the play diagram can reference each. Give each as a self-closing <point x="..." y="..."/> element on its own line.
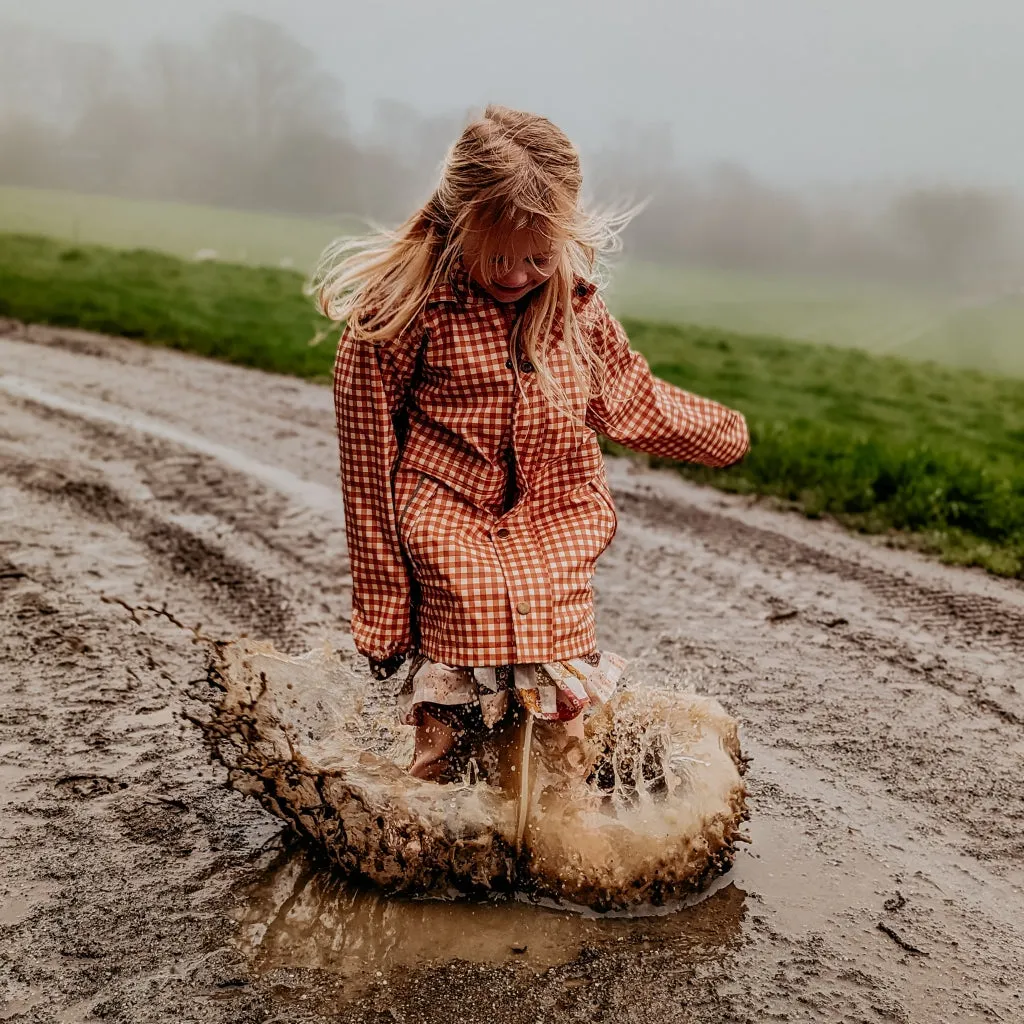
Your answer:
<point x="508" y="171"/>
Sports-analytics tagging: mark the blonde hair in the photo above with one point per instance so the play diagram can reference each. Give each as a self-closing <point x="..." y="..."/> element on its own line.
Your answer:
<point x="508" y="171"/>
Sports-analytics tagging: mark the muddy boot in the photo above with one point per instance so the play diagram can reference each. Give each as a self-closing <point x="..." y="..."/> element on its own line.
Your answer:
<point x="497" y="752"/>
<point x="453" y="744"/>
<point x="564" y="748"/>
<point x="436" y="741"/>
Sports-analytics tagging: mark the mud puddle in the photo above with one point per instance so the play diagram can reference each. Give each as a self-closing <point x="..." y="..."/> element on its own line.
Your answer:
<point x="303" y="915"/>
<point x="646" y="809"/>
<point x="22" y="900"/>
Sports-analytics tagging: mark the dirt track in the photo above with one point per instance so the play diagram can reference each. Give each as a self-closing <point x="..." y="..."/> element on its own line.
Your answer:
<point x="882" y="698"/>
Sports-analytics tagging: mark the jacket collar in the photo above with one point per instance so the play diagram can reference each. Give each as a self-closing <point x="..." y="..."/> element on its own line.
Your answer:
<point x="459" y="290"/>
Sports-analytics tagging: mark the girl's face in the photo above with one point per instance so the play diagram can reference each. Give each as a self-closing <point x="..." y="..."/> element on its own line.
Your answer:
<point x="528" y="261"/>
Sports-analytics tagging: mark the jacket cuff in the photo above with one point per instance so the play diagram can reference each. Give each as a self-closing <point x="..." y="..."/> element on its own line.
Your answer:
<point x="379" y="644"/>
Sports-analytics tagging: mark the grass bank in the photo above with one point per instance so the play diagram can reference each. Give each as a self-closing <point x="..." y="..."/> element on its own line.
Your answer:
<point x="881" y="444"/>
<point x="256" y="316"/>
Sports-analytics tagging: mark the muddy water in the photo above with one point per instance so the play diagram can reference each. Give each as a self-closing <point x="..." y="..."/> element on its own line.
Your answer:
<point x="302" y="916"/>
<point x="883" y="710"/>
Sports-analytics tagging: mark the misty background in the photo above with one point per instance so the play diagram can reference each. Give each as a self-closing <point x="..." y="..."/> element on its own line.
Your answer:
<point x="878" y="143"/>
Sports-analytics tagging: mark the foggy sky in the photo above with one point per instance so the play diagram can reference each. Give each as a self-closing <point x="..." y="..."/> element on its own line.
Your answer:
<point x="800" y="91"/>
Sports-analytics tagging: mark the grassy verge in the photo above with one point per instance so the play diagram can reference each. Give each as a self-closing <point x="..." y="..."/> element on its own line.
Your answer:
<point x="257" y="316"/>
<point x="883" y="445"/>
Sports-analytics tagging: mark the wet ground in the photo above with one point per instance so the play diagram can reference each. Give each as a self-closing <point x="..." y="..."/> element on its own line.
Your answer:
<point x="143" y="492"/>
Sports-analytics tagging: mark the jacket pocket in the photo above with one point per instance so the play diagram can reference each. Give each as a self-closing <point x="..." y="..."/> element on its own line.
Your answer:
<point x="413" y="496"/>
<point x="599" y="489"/>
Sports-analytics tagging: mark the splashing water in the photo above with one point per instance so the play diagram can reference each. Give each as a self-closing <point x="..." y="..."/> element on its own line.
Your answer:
<point x="645" y="812"/>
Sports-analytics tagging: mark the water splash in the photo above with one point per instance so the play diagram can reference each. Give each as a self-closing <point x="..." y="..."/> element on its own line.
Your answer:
<point x="645" y="812"/>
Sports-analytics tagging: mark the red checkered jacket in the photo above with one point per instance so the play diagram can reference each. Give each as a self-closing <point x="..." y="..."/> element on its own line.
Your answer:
<point x="429" y="425"/>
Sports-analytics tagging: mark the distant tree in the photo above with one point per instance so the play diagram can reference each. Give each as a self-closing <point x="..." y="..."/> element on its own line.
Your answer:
<point x="28" y="86"/>
<point x="31" y="154"/>
<point x="269" y="83"/>
<point x="953" y="233"/>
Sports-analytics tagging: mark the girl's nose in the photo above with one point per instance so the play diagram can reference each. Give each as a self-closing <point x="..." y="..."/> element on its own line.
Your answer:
<point x="515" y="278"/>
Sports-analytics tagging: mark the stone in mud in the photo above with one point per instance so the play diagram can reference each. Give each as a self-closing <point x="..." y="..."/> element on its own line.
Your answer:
<point x="647" y="812"/>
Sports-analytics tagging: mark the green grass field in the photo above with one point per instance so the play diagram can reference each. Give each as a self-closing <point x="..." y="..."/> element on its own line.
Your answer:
<point x="986" y="334"/>
<point x="180" y="229"/>
<point x="256" y="316"/>
<point x="980" y="334"/>
<point x="856" y="315"/>
<point x="881" y="444"/>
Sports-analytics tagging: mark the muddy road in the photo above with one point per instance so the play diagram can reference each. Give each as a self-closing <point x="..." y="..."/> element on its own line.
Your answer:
<point x="143" y="492"/>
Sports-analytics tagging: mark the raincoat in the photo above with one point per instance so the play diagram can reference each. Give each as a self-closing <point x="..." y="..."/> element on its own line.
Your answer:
<point x="475" y="509"/>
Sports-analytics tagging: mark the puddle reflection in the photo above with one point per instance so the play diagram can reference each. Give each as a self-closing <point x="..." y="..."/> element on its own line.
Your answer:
<point x="303" y="916"/>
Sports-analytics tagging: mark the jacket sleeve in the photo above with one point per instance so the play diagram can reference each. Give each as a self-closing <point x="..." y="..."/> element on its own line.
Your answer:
<point x="640" y="411"/>
<point x="370" y="386"/>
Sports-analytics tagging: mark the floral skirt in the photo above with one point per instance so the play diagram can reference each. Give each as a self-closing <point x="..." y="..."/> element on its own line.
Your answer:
<point x="552" y="691"/>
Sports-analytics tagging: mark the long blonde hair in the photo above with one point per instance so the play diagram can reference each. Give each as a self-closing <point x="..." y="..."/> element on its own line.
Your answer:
<point x="508" y="171"/>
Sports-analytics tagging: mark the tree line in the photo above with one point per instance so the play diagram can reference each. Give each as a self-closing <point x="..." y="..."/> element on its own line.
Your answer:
<point x="247" y="118"/>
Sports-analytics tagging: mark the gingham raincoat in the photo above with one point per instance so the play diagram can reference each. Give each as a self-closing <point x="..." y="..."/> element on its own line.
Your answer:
<point x="429" y="425"/>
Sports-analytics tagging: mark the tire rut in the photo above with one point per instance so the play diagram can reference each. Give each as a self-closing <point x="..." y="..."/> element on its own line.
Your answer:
<point x="195" y="483"/>
<point x="255" y="601"/>
<point x="973" y="615"/>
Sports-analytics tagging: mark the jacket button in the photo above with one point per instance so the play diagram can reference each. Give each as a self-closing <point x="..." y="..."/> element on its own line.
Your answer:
<point x="508" y="364"/>
<point x="523" y="607"/>
<point x="502" y="533"/>
<point x="526" y="366"/>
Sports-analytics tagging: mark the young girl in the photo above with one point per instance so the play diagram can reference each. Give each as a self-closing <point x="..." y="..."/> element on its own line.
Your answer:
<point x="477" y="367"/>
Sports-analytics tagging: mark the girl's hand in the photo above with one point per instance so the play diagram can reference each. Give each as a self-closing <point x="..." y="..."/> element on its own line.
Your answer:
<point x="387" y="668"/>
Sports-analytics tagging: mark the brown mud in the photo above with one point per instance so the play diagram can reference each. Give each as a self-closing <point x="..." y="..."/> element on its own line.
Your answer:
<point x="143" y="492"/>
